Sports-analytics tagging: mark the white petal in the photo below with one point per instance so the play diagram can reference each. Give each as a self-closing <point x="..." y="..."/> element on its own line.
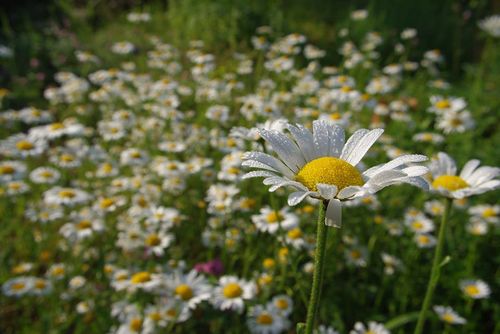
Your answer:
<point x="386" y="176"/>
<point x="297" y="197"/>
<point x="447" y="164"/>
<point x="326" y="191"/>
<point x="401" y="160"/>
<point x="333" y="216"/>
<point x="266" y="159"/>
<point x="286" y="149"/>
<point x="348" y="192"/>
<point x="415" y="170"/>
<point x="293" y="184"/>
<point x="304" y="139"/>
<point x="257" y="173"/>
<point x="352" y="142"/>
<point x="362" y="146"/>
<point x="469" y="168"/>
<point x="328" y="138"/>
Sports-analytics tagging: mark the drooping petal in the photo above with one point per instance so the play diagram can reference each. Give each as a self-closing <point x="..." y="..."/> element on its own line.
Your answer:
<point x="297" y="197"/>
<point x="333" y="215"/>
<point x="326" y="191"/>
<point x="348" y="192"/>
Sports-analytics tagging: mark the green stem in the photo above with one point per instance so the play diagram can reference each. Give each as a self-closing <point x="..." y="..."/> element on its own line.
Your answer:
<point x="319" y="255"/>
<point x="436" y="269"/>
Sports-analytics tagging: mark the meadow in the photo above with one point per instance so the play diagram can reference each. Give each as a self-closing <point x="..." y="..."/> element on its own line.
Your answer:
<point x="220" y="167"/>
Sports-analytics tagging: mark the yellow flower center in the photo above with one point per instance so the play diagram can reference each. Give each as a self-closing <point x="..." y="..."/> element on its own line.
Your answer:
<point x="40" y="284"/>
<point x="106" y="202"/>
<point x="24" y="145"/>
<point x="282" y="304"/>
<point x="67" y="158"/>
<point x="355" y="254"/>
<point x="335" y="116"/>
<point x="184" y="291"/>
<point x="294" y="233"/>
<point x="18" y="286"/>
<point x="448" y="317"/>
<point x="155" y="316"/>
<point x="423" y="239"/>
<point x="153" y="240"/>
<point x="141" y="277"/>
<point x="136" y="324"/>
<point x="331" y="171"/>
<point x="46" y="174"/>
<point x="172" y="312"/>
<point x="57" y="126"/>
<point x="346" y="89"/>
<point x="417" y="225"/>
<point x="472" y="290"/>
<point x="274" y="217"/>
<point x="268" y="263"/>
<point x="488" y="213"/>
<point x="443" y="104"/>
<point x="67" y="194"/>
<point x="449" y="182"/>
<point x="232" y="290"/>
<point x="84" y="224"/>
<point x="6" y="169"/>
<point x="264" y="319"/>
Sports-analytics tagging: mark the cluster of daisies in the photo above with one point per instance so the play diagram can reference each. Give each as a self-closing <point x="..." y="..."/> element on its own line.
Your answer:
<point x="132" y="185"/>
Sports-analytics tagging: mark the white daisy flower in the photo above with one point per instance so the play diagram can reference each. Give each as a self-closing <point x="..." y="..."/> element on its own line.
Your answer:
<point x="475" y="289"/>
<point x="471" y="180"/>
<point x="491" y="25"/>
<point x="269" y="220"/>
<point x="231" y="293"/>
<point x="265" y="320"/>
<point x="448" y="315"/>
<point x="322" y="165"/>
<point x="372" y="328"/>
<point x="191" y="288"/>
<point x="488" y="213"/>
<point x="283" y="304"/>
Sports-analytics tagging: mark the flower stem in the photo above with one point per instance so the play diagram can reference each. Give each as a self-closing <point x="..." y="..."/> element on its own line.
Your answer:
<point x="436" y="269"/>
<point x="319" y="255"/>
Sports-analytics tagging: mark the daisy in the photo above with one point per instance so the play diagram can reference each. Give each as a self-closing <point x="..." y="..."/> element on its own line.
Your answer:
<point x="231" y="293"/>
<point x="265" y="320"/>
<point x="11" y="170"/>
<point x="471" y="180"/>
<point x="17" y="286"/>
<point x="455" y="121"/>
<point x="425" y="240"/>
<point x="486" y="212"/>
<point x="191" y="288"/>
<point x="65" y="196"/>
<point x="372" y="328"/>
<point x="282" y="304"/>
<point x="420" y="224"/>
<point x="271" y="221"/>
<point x="491" y="25"/>
<point x="448" y="315"/>
<point x="322" y="166"/>
<point x="477" y="227"/>
<point x="44" y="175"/>
<point x="475" y="289"/>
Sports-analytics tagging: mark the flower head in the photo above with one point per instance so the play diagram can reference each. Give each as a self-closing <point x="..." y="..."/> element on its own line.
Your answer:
<point x="322" y="165"/>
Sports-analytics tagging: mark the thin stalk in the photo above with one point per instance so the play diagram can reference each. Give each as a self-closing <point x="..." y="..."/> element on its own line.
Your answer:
<point x="436" y="269"/>
<point x="319" y="256"/>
